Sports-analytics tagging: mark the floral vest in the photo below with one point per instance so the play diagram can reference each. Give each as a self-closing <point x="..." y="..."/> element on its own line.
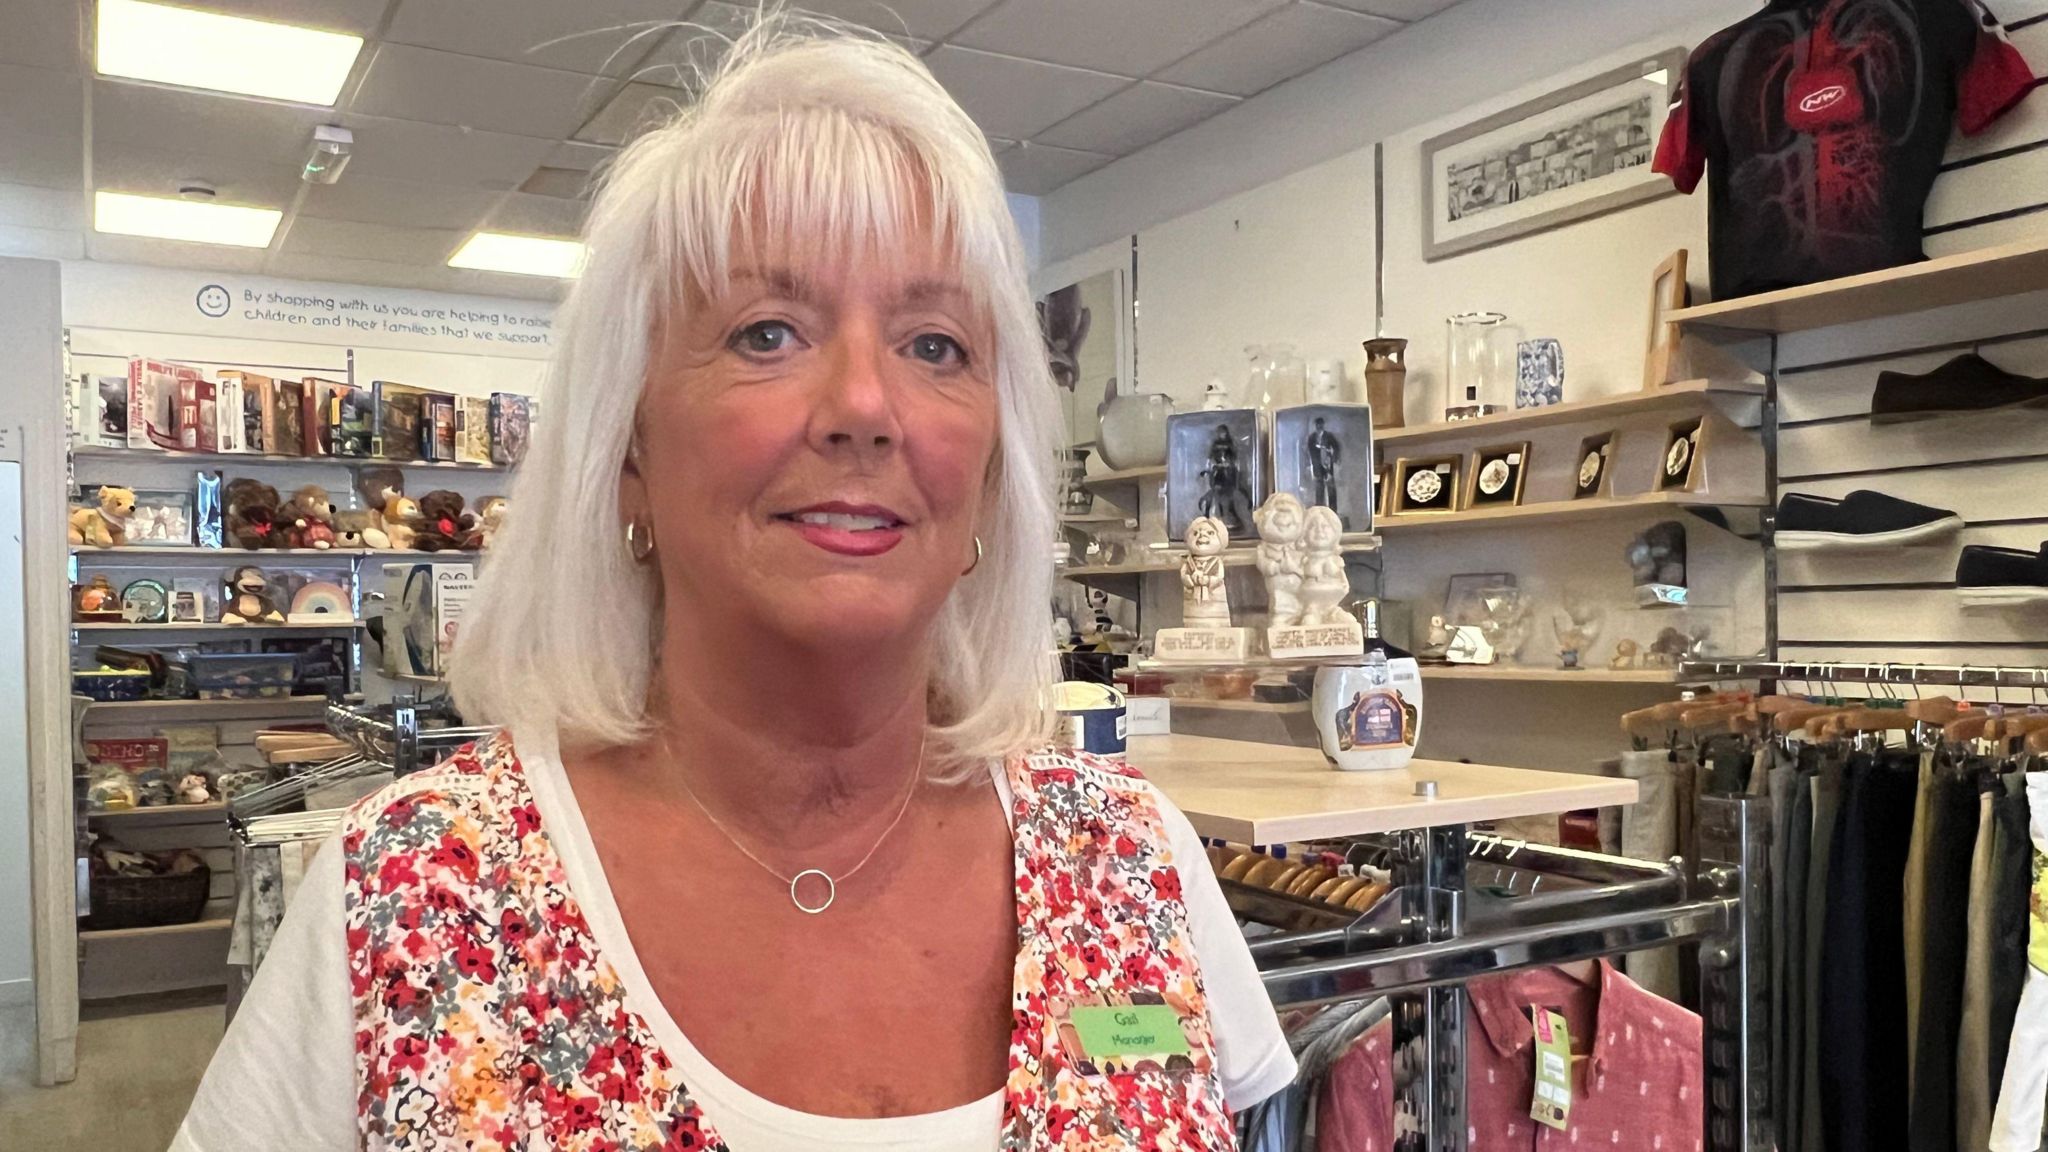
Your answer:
<point x="486" y="1020"/>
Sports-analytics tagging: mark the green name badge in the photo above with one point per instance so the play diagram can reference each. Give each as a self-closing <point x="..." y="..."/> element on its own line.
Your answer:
<point x="1129" y="1030"/>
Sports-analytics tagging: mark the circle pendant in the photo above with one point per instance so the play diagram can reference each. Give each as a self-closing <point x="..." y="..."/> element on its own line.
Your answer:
<point x="831" y="891"/>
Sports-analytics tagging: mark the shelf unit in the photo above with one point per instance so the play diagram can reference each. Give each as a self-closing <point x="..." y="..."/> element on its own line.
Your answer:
<point x="104" y="452"/>
<point x="1685" y="396"/>
<point x="223" y="629"/>
<point x="1534" y="674"/>
<point x="1964" y="278"/>
<point x="1124" y="488"/>
<point x="1559" y="512"/>
<point x="265" y="708"/>
<point x="1122" y="579"/>
<point x="161" y="814"/>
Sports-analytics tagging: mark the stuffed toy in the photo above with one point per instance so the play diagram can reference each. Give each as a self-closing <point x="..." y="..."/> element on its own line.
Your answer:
<point x="377" y="484"/>
<point x="490" y="520"/>
<point x="401" y="520"/>
<point x="251" y="514"/>
<point x="248" y="599"/>
<point x="443" y="522"/>
<point x="359" y="528"/>
<point x="105" y="525"/>
<point x="312" y="518"/>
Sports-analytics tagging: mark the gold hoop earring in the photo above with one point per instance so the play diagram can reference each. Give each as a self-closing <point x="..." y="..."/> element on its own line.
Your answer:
<point x="977" y="557"/>
<point x="639" y="540"/>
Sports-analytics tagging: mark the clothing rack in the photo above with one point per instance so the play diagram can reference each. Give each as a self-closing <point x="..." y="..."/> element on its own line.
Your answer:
<point x="396" y="736"/>
<point x="1955" y="675"/>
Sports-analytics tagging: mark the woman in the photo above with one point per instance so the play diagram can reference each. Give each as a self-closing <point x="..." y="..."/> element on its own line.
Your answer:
<point x="767" y="857"/>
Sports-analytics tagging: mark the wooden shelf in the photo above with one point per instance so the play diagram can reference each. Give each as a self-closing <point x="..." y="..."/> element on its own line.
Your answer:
<point x="163" y="814"/>
<point x="227" y="629"/>
<point x="157" y="933"/>
<point x="1272" y="793"/>
<point x="99" y="452"/>
<point x="141" y="711"/>
<point x="1123" y="488"/>
<point x="1095" y="518"/>
<point x="253" y="555"/>
<point x="1964" y="278"/>
<point x="1258" y="706"/>
<point x="1557" y="512"/>
<point x="1121" y="579"/>
<point x="1536" y="674"/>
<point x="1688" y="395"/>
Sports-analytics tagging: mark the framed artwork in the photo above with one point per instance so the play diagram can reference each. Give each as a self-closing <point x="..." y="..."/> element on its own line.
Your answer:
<point x="1382" y="488"/>
<point x="1578" y="152"/>
<point x="1497" y="475"/>
<point x="1426" y="485"/>
<point x="1680" y="467"/>
<point x="1087" y="330"/>
<point x="1594" y="477"/>
<point x="163" y="518"/>
<point x="1667" y="295"/>
<point x="1321" y="452"/>
<point x="1214" y="467"/>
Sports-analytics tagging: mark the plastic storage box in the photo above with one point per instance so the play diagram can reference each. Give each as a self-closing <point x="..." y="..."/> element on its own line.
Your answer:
<point x="107" y="684"/>
<point x="243" y="676"/>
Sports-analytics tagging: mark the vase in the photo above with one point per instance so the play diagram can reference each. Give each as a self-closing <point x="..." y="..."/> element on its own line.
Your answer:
<point x="1279" y="378"/>
<point x="1386" y="378"/>
<point x="1478" y="369"/>
<point x="1133" y="431"/>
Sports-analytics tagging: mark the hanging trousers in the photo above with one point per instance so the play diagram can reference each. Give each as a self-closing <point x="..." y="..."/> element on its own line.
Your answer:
<point x="1973" y="1044"/>
<point x="2016" y="1125"/>
<point x="1951" y="841"/>
<point x="1826" y="788"/>
<point x="1864" y="1095"/>
<point x="1650" y="831"/>
<point x="1789" y="785"/>
<point x="2012" y="881"/>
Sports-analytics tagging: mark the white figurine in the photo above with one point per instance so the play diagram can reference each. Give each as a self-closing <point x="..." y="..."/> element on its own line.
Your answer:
<point x="1279" y="521"/>
<point x="1324" y="582"/>
<point x="1205" y="602"/>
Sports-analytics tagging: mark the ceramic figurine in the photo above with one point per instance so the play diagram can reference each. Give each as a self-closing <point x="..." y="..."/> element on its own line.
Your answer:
<point x="1216" y="397"/>
<point x="1225" y="480"/>
<point x="1439" y="640"/>
<point x="192" y="790"/>
<point x="1324" y="581"/>
<point x="1280" y="523"/>
<point x="1324" y="452"/>
<point x="1205" y="601"/>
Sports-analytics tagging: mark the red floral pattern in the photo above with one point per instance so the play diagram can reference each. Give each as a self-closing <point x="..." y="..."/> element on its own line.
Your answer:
<point x="486" y="1019"/>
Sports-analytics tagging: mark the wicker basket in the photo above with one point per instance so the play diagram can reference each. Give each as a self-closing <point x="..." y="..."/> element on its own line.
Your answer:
<point x="148" y="901"/>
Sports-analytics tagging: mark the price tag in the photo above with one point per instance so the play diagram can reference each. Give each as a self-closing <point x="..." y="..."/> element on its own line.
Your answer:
<point x="1553" y="1103"/>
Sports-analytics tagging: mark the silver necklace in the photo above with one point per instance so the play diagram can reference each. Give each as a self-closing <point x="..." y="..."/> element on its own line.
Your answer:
<point x="831" y="882"/>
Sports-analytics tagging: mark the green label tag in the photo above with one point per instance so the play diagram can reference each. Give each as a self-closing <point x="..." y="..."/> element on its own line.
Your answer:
<point x="1553" y="1103"/>
<point x="2037" y="941"/>
<point x="1129" y="1030"/>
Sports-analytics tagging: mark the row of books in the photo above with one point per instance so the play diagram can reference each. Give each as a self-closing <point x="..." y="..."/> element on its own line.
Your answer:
<point x="160" y="405"/>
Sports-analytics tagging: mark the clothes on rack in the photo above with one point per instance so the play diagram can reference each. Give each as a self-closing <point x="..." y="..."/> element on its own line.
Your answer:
<point x="1295" y="1118"/>
<point x="1650" y="831"/>
<point x="1973" y="1044"/>
<point x="2016" y="1124"/>
<point x="1787" y="783"/>
<point x="1638" y="1086"/>
<point x="1826" y="786"/>
<point x="1949" y="841"/>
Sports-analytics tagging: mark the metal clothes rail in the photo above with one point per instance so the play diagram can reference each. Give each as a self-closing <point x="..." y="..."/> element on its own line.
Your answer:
<point x="1956" y="675"/>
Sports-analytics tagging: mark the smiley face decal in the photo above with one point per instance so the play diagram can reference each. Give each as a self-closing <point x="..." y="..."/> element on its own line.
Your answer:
<point x="214" y="301"/>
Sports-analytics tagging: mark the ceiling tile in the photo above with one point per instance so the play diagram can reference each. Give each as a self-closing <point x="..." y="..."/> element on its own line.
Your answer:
<point x="592" y="36"/>
<point x="172" y="253"/>
<point x="635" y="109"/>
<point x="359" y="17"/>
<point x="927" y="19"/>
<point x="315" y="236"/>
<point x="26" y="206"/>
<point x="40" y="32"/>
<point x="368" y="200"/>
<point x="1015" y="98"/>
<point x="350" y="270"/>
<point x="1396" y="9"/>
<point x="42" y="134"/>
<point x="1127" y="37"/>
<point x="159" y="172"/>
<point x="1036" y="169"/>
<point x="177" y="120"/>
<point x="410" y="83"/>
<point x="688" y="52"/>
<point x="563" y="183"/>
<point x="1133" y="118"/>
<point x="46" y="161"/>
<point x="1282" y="46"/>
<point x="537" y="216"/>
<point x="576" y="154"/>
<point x="41" y="243"/>
<point x="441" y="153"/>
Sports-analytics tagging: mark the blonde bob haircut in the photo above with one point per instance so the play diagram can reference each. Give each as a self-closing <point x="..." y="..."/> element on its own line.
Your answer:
<point x="836" y="146"/>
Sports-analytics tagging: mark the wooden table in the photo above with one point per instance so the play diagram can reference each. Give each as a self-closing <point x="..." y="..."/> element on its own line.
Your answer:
<point x="1270" y="793"/>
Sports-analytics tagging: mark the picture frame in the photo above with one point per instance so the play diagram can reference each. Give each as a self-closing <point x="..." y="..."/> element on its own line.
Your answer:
<point x="1581" y="151"/>
<point x="1667" y="295"/>
<point x="162" y="518"/>
<point x="1319" y="452"/>
<point x="1427" y="485"/>
<point x="1498" y="475"/>
<point x="1678" y="469"/>
<point x="1593" y="476"/>
<point x="1382" y="490"/>
<point x="1088" y="329"/>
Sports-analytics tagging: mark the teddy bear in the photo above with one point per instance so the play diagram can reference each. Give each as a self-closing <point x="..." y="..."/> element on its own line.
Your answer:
<point x="311" y="517"/>
<point x="105" y="524"/>
<point x="359" y="528"/>
<point x="490" y="520"/>
<point x="444" y="524"/>
<point x="251" y="514"/>
<point x="401" y="522"/>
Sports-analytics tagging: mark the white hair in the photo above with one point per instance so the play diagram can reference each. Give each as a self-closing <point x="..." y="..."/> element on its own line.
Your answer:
<point x="806" y="135"/>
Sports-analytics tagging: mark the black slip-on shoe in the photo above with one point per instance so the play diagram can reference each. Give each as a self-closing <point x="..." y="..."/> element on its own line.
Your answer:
<point x="1968" y="383"/>
<point x="1988" y="577"/>
<point x="1860" y="520"/>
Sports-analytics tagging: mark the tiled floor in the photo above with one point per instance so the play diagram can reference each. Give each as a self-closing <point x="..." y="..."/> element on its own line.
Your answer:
<point x="138" y="1065"/>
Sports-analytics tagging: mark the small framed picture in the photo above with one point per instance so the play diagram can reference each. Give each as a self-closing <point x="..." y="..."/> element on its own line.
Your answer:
<point x="191" y="598"/>
<point x="1426" y="485"/>
<point x="1497" y="475"/>
<point x="1382" y="490"/>
<point x="1594" y="478"/>
<point x="1667" y="295"/>
<point x="1680" y="469"/>
<point x="162" y="517"/>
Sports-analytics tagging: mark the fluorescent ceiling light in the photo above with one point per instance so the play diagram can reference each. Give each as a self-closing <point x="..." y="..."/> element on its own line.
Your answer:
<point x="525" y="255"/>
<point x="198" y="221"/>
<point x="224" y="53"/>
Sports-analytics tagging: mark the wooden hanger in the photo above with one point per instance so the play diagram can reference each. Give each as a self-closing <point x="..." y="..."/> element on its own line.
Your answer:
<point x="1936" y="709"/>
<point x="1736" y="717"/>
<point x="1964" y="729"/>
<point x="2037" y="741"/>
<point x="1789" y="720"/>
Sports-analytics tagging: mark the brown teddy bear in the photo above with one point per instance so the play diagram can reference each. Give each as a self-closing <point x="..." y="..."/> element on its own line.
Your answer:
<point x="490" y="520"/>
<point x="105" y="524"/>
<point x="312" y="518"/>
<point x="444" y="524"/>
<point x="359" y="528"/>
<point x="251" y="514"/>
<point x="401" y="521"/>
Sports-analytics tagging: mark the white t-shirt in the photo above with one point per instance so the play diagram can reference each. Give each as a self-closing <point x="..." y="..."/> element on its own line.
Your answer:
<point x="284" y="1076"/>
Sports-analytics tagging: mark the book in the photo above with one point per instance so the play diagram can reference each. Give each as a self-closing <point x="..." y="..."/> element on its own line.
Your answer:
<point x="350" y="416"/>
<point x="101" y="420"/>
<point x="313" y="414"/>
<point x="508" y="427"/>
<point x="250" y="397"/>
<point x="153" y="402"/>
<point x="473" y="429"/>
<point x="284" y="418"/>
<point x="202" y="433"/>
<point x="438" y="433"/>
<point x="227" y="415"/>
<point x="188" y="410"/>
<point x="400" y="415"/>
